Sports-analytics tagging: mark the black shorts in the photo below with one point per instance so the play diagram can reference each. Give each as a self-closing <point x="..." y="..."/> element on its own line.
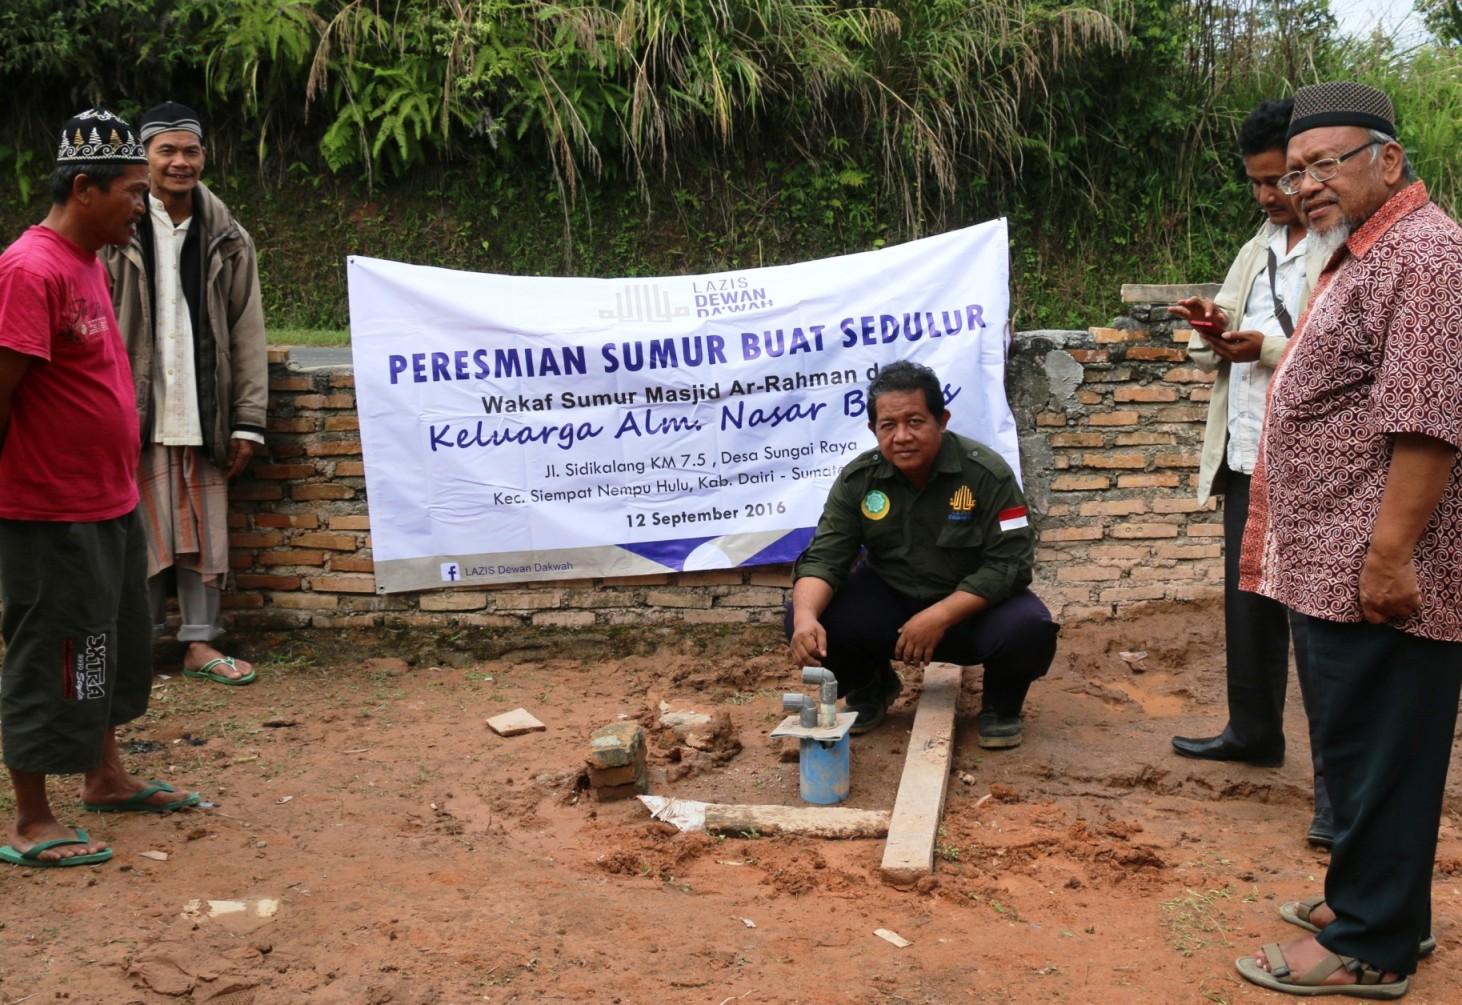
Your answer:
<point x="78" y="639"/>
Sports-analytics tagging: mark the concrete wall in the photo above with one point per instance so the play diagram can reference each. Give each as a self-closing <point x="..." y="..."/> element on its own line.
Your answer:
<point x="1112" y="422"/>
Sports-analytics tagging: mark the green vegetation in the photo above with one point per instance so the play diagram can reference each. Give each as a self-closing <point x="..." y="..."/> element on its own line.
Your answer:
<point x="635" y="137"/>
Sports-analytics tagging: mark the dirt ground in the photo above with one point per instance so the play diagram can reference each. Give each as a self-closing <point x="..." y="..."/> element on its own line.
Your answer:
<point x="412" y="856"/>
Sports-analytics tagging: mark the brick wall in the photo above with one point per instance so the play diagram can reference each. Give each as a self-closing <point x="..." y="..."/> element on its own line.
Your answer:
<point x="1111" y="420"/>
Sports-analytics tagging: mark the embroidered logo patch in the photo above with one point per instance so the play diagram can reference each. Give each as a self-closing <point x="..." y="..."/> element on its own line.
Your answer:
<point x="875" y="505"/>
<point x="961" y="504"/>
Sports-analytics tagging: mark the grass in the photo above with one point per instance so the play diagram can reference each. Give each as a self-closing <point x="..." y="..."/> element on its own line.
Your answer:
<point x="308" y="336"/>
<point x="1192" y="921"/>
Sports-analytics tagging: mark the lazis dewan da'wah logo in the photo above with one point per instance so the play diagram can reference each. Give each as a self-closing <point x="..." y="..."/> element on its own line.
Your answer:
<point x="713" y="296"/>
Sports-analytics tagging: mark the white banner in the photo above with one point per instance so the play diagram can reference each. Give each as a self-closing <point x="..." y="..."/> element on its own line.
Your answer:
<point x="527" y="428"/>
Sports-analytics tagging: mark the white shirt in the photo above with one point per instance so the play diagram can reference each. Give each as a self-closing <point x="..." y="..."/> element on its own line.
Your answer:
<point x="1249" y="382"/>
<point x="175" y="421"/>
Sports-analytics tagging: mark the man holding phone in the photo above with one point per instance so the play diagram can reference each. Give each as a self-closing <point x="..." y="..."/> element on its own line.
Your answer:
<point x="1243" y="333"/>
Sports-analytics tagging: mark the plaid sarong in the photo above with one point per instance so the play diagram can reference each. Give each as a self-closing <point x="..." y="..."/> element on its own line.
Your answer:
<point x="185" y="510"/>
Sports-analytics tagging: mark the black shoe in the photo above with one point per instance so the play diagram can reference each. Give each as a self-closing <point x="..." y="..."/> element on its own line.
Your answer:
<point x="1216" y="748"/>
<point x="872" y="702"/>
<point x="1321" y="833"/>
<point x="997" y="732"/>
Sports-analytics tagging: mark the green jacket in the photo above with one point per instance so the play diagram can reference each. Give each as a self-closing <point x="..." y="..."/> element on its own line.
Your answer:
<point x="930" y="542"/>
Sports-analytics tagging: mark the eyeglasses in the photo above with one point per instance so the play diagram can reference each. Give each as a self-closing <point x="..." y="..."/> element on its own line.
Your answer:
<point x="1321" y="171"/>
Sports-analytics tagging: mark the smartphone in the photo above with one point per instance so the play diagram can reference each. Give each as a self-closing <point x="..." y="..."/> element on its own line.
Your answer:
<point x="1212" y="329"/>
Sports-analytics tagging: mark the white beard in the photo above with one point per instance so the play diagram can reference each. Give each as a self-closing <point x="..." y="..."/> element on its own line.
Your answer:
<point x="1321" y="246"/>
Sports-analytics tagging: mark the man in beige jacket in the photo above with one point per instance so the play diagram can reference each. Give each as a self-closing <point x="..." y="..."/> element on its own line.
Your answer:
<point x="1260" y="303"/>
<point x="186" y="291"/>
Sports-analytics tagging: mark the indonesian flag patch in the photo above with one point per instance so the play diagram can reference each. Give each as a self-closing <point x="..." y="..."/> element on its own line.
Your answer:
<point x="1013" y="519"/>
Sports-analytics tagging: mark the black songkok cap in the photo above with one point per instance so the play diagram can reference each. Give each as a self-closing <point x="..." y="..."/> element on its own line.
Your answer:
<point x="1341" y="103"/>
<point x="96" y="136"/>
<point x="169" y="116"/>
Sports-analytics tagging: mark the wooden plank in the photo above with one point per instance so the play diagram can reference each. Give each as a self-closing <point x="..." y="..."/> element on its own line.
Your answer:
<point x="811" y="821"/>
<point x="1166" y="293"/>
<point x="909" y="853"/>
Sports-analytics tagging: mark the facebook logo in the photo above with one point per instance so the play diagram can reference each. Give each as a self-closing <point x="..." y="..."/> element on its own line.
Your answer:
<point x="451" y="572"/>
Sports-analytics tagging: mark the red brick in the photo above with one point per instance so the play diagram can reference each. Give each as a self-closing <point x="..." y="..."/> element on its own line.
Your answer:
<point x="237" y="521"/>
<point x="452" y="600"/>
<point x="1127" y="531"/>
<point x="1201" y="394"/>
<point x="330" y="542"/>
<point x="1153" y="352"/>
<point x="1182" y="506"/>
<point x="333" y="448"/>
<point x="1189" y="375"/>
<point x="309" y="401"/>
<point x="653" y="579"/>
<point x="1072" y="613"/>
<point x="255" y="492"/>
<point x="1060" y="462"/>
<point x="342" y="380"/>
<point x="1108" y="336"/>
<point x="1089" y="356"/>
<point x="1050" y="418"/>
<point x="1205" y="530"/>
<point x="1079" y="483"/>
<point x="292" y="556"/>
<point x="343" y="584"/>
<point x="277" y="355"/>
<point x="1052" y="535"/>
<point x="284" y="449"/>
<point x="1114" y="418"/>
<point x="240" y="559"/>
<point x="713" y="577"/>
<point x="264" y="539"/>
<point x="351" y="522"/>
<point x="1114" y="460"/>
<point x="1189" y="551"/>
<point x="259" y="581"/>
<point x="1166" y="573"/>
<point x="1129" y="594"/>
<point x="1183" y="335"/>
<point x="1077" y="440"/>
<point x="1090" y="397"/>
<point x="1145" y="392"/>
<point x="1181" y="413"/>
<point x="341" y="423"/>
<point x="1144" y="439"/>
<point x="321" y="490"/>
<point x="1087" y="573"/>
<point x="302" y="521"/>
<point x="280" y="424"/>
<point x="304" y="601"/>
<point x="291" y="384"/>
<point x="339" y="401"/>
<point x="1113" y="507"/>
<point x="284" y="472"/>
<point x="346" y="563"/>
<point x="1150" y="480"/>
<point x="241" y="601"/>
<point x="1184" y="460"/>
<point x="349" y="469"/>
<point x="1119" y="552"/>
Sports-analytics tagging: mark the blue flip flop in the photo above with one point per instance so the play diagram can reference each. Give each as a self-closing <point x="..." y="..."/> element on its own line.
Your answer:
<point x="30" y="858"/>
<point x="205" y="672"/>
<point x="137" y="802"/>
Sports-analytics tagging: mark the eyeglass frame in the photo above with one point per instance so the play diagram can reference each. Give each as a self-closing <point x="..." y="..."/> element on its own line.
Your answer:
<point x="1289" y="183"/>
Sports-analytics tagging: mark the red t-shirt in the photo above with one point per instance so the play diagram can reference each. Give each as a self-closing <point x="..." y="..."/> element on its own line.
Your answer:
<point x="70" y="452"/>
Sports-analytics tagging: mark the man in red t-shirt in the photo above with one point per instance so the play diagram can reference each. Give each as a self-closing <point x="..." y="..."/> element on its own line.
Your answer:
<point x="73" y="593"/>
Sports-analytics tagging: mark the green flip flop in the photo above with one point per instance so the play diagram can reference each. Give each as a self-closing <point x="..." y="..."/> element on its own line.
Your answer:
<point x="205" y="672"/>
<point x="31" y="859"/>
<point x="137" y="802"/>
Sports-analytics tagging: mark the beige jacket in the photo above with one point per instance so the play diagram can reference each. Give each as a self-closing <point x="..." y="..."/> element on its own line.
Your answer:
<point x="233" y="392"/>
<point x="1252" y="260"/>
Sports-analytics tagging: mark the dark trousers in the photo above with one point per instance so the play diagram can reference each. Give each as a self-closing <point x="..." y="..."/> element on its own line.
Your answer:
<point x="1015" y="640"/>
<point x="1387" y="705"/>
<point x="1257" y="631"/>
<point x="78" y="639"/>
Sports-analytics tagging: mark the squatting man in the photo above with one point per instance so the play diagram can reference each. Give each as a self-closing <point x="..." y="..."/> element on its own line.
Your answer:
<point x="923" y="552"/>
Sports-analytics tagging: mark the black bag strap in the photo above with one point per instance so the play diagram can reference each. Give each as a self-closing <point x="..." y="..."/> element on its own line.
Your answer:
<point x="1281" y="313"/>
